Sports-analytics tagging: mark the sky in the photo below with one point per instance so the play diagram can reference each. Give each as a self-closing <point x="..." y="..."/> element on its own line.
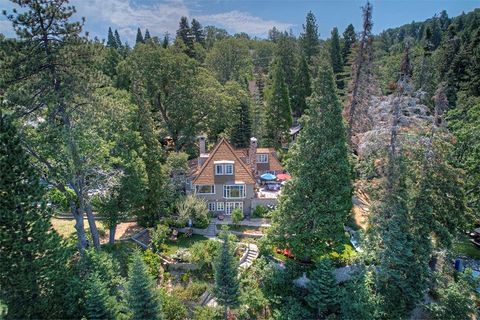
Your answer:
<point x="254" y="17"/>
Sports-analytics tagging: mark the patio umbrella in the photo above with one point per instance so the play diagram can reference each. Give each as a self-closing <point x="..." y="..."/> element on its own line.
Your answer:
<point x="268" y="176"/>
<point x="283" y="176"/>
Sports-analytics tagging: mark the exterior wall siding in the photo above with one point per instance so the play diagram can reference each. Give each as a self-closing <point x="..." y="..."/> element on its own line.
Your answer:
<point x="218" y="197"/>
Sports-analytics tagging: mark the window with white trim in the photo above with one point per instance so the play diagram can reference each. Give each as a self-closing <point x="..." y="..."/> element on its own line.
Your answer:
<point x="221" y="206"/>
<point x="211" y="206"/>
<point x="224" y="169"/>
<point x="235" y="191"/>
<point x="262" y="158"/>
<point x="205" y="189"/>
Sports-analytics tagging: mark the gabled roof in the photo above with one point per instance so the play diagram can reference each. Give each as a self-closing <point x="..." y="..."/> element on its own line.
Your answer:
<point x="273" y="162"/>
<point x="223" y="151"/>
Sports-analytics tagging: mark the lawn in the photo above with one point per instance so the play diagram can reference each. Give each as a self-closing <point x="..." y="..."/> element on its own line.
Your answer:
<point x="244" y="229"/>
<point x="66" y="227"/>
<point x="464" y="247"/>
<point x="183" y="242"/>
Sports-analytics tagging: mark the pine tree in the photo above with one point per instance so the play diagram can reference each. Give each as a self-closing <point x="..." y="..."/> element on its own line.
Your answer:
<point x="278" y="114"/>
<point x="118" y="40"/>
<point x="111" y="42"/>
<point x="349" y="39"/>
<point x="198" y="32"/>
<point x="147" y="37"/>
<point x="322" y="289"/>
<point x="166" y="40"/>
<point x="32" y="255"/>
<point x="242" y="127"/>
<point x="139" y="38"/>
<point x="302" y="87"/>
<point x="184" y="33"/>
<point x="143" y="300"/>
<point x="98" y="304"/>
<point x="227" y="288"/>
<point x="336" y="58"/>
<point x="316" y="202"/>
<point x="309" y="38"/>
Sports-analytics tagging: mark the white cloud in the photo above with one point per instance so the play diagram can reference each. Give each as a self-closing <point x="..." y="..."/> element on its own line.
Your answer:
<point x="238" y="21"/>
<point x="126" y="16"/>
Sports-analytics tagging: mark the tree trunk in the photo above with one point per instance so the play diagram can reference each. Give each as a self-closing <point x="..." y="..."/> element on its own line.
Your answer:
<point x="93" y="226"/>
<point x="79" y="227"/>
<point x="226" y="313"/>
<point x="113" y="230"/>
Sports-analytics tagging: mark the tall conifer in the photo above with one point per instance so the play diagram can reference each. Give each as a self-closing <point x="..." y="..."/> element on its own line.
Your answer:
<point x="139" y="38"/>
<point x="278" y="117"/>
<point x="227" y="288"/>
<point x="143" y="300"/>
<point x="32" y="258"/>
<point x="309" y="38"/>
<point x="316" y="202"/>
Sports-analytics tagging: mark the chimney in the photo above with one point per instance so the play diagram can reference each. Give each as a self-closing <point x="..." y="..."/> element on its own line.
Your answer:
<point x="202" y="149"/>
<point x="252" y="154"/>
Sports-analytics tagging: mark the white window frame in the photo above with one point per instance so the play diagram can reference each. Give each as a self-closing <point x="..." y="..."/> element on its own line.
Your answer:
<point x="221" y="206"/>
<point x="217" y="172"/>
<point x="198" y="186"/>
<point x="262" y="158"/>
<point x="211" y="206"/>
<point x="227" y="171"/>
<point x="227" y="192"/>
<point x="230" y="206"/>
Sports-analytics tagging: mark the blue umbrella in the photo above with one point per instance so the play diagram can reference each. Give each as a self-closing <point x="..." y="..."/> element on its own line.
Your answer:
<point x="268" y="176"/>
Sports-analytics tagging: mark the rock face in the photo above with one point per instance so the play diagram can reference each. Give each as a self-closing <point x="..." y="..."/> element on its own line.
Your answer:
<point x="372" y="145"/>
<point x="414" y="116"/>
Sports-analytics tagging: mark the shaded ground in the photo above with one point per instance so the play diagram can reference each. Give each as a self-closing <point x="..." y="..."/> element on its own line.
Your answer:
<point x="65" y="227"/>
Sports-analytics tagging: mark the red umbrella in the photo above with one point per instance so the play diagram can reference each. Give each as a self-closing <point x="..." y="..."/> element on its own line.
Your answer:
<point x="283" y="176"/>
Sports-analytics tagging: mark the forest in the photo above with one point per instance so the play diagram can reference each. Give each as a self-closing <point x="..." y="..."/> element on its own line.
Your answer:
<point x="378" y="221"/>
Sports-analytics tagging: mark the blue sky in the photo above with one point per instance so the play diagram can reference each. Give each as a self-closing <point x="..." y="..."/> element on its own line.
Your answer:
<point x="255" y="17"/>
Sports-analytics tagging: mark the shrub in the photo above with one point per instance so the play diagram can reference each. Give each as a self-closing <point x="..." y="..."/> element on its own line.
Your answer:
<point x="237" y="215"/>
<point x="195" y="209"/>
<point x="173" y="308"/>
<point x="261" y="211"/>
<point x="153" y="263"/>
<point x="346" y="257"/>
<point x="159" y="237"/>
<point x="203" y="254"/>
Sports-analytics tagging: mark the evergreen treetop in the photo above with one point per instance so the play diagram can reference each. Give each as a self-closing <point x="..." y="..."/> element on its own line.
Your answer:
<point x="309" y="38"/>
<point x="139" y="38"/>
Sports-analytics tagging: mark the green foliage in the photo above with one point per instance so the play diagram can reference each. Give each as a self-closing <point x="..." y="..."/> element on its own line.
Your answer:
<point x="456" y="299"/>
<point x="315" y="204"/>
<point x="159" y="236"/>
<point x="349" y="39"/>
<point x="322" y="288"/>
<point x="358" y="300"/>
<point x="173" y="308"/>
<point x="237" y="215"/>
<point x="143" y="300"/>
<point x="203" y="253"/>
<point x="302" y="87"/>
<point x="309" y="38"/>
<point x="33" y="261"/>
<point x="139" y="39"/>
<point x="261" y="211"/>
<point x="195" y="209"/>
<point x="226" y="289"/>
<point x="207" y="313"/>
<point x="240" y="123"/>
<point x="278" y="114"/>
<point x="153" y="263"/>
<point x="229" y="60"/>
<point x="98" y="303"/>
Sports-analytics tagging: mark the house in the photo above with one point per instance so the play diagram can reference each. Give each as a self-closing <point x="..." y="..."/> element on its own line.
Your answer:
<point x="229" y="178"/>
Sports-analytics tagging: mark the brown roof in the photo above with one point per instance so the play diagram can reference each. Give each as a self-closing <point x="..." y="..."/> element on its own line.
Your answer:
<point x="223" y="151"/>
<point x="273" y="162"/>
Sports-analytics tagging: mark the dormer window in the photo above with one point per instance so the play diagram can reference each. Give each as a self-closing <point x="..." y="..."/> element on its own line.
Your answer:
<point x="262" y="158"/>
<point x="224" y="167"/>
